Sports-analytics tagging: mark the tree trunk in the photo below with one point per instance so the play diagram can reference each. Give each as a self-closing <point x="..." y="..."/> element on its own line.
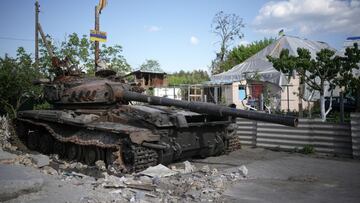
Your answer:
<point x="322" y="106"/>
<point x="322" y="103"/>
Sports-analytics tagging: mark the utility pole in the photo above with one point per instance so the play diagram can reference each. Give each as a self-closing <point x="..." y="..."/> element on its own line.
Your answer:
<point x="97" y="28"/>
<point x="37" y="10"/>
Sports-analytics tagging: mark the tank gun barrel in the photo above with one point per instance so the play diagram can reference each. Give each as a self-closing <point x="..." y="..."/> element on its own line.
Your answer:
<point x="211" y="109"/>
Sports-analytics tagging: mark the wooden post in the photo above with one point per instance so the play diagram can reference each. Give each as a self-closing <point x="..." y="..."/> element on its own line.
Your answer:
<point x="189" y="88"/>
<point x="261" y="102"/>
<point x="37" y="10"/>
<point x="97" y="28"/>
<point x="202" y="93"/>
<point x="288" y="99"/>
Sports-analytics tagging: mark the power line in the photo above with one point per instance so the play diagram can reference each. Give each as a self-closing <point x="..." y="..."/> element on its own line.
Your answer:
<point x="16" y="39"/>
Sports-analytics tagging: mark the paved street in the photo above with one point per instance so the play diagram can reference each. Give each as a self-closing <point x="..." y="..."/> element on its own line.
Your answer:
<point x="282" y="177"/>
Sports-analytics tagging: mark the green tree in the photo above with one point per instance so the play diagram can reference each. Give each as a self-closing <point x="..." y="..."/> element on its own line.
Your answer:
<point x="242" y="52"/>
<point x="16" y="76"/>
<point x="346" y="78"/>
<point x="316" y="73"/>
<point x="193" y="77"/>
<point x="228" y="27"/>
<point x="116" y="62"/>
<point x="151" y="65"/>
<point x="80" y="51"/>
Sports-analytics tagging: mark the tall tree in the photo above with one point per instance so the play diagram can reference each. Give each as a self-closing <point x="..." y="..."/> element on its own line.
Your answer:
<point x="16" y="76"/>
<point x="80" y="51"/>
<point x="347" y="77"/>
<point x="151" y="65"/>
<point x="116" y="62"/>
<point x="242" y="52"/>
<point x="228" y="27"/>
<point x="193" y="77"/>
<point x="316" y="73"/>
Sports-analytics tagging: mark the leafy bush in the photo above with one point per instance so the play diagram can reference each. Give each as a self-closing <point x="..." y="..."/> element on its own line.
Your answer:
<point x="308" y="149"/>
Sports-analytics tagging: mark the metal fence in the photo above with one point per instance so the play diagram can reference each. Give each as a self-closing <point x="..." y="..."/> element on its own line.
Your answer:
<point x="355" y="134"/>
<point x="329" y="138"/>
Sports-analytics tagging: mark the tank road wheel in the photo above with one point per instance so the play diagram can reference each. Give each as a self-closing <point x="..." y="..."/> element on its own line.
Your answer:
<point x="91" y="155"/>
<point x="73" y="152"/>
<point x="46" y="143"/>
<point x="32" y="140"/>
<point x="109" y="156"/>
<point x="21" y="130"/>
<point x="60" y="149"/>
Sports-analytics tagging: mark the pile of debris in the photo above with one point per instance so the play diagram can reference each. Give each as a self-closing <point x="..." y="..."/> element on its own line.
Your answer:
<point x="5" y="134"/>
<point x="162" y="184"/>
<point x="155" y="184"/>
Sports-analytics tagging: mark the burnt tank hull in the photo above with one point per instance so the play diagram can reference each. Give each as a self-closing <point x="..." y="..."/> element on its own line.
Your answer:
<point x="93" y="118"/>
<point x="129" y="137"/>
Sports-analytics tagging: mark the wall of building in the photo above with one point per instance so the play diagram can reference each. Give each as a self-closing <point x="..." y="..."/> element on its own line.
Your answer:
<point x="169" y="92"/>
<point x="227" y="94"/>
<point x="235" y="94"/>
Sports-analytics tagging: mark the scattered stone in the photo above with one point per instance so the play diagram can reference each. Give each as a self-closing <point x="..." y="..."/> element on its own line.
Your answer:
<point x="40" y="160"/>
<point x="49" y="170"/>
<point x="218" y="183"/>
<point x="243" y="170"/>
<point x="189" y="168"/>
<point x="205" y="169"/>
<point x="214" y="172"/>
<point x="24" y="160"/>
<point x="100" y="165"/>
<point x="64" y="166"/>
<point x="111" y="181"/>
<point x="5" y="133"/>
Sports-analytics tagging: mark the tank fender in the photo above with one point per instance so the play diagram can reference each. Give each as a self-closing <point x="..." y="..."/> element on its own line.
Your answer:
<point x="139" y="137"/>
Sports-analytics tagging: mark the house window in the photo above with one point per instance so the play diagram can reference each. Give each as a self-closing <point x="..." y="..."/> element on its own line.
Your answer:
<point x="242" y="92"/>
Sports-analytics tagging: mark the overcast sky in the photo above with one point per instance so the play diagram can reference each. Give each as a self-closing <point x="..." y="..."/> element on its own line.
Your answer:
<point x="177" y="33"/>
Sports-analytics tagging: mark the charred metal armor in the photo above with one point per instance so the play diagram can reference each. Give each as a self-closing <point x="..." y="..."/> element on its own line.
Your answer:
<point x="93" y="118"/>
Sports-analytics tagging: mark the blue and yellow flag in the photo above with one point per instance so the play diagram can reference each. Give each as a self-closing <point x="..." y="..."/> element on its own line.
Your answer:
<point x="97" y="36"/>
<point x="102" y="5"/>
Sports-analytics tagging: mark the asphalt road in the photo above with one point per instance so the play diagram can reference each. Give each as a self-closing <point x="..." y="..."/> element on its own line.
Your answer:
<point x="284" y="177"/>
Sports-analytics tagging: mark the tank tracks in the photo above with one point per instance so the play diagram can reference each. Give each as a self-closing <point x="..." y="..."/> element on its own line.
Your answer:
<point x="143" y="158"/>
<point x="233" y="144"/>
<point x="136" y="159"/>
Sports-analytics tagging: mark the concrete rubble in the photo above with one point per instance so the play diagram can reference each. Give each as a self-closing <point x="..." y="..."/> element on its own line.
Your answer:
<point x="155" y="184"/>
<point x="5" y="134"/>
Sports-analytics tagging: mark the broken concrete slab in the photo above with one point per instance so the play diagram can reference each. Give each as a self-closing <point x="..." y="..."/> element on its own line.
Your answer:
<point x="40" y="160"/>
<point x="16" y="180"/>
<point x="6" y="155"/>
<point x="159" y="171"/>
<point x="243" y="170"/>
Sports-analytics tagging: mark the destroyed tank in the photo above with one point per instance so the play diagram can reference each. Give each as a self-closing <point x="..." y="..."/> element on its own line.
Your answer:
<point x="95" y="118"/>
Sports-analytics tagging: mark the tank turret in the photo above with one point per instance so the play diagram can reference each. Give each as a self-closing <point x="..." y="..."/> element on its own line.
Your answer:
<point x="103" y="93"/>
